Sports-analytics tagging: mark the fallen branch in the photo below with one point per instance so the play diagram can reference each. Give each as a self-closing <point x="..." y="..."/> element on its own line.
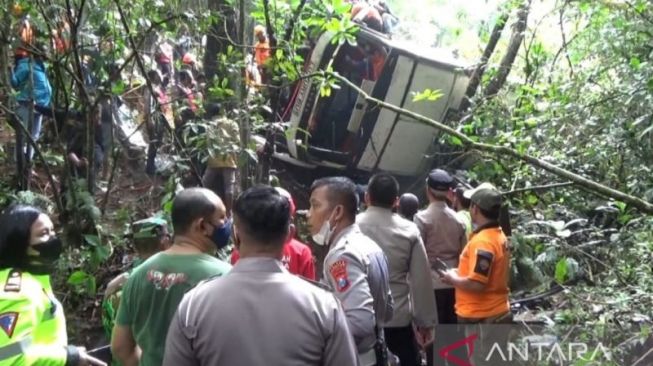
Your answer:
<point x="538" y="188"/>
<point x="503" y="151"/>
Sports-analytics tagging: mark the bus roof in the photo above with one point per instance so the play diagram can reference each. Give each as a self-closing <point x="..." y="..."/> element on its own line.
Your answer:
<point x="438" y="56"/>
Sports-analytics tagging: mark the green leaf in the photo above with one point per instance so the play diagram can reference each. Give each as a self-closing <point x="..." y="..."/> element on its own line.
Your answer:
<point x="325" y="91"/>
<point x="118" y="88"/>
<point x="78" y="278"/>
<point x="532" y="199"/>
<point x="427" y="94"/>
<point x="102" y="252"/>
<point x="454" y="140"/>
<point x="635" y="63"/>
<point x="561" y="270"/>
<point x="93" y="240"/>
<point x="621" y="206"/>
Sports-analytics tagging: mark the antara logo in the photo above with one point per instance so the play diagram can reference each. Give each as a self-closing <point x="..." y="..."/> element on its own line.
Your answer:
<point x="547" y="352"/>
<point x="525" y="351"/>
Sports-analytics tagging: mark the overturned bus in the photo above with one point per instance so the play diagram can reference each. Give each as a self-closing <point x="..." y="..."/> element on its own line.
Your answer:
<point x="342" y="134"/>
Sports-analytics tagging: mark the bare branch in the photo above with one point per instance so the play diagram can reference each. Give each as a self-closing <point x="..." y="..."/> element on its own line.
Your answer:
<point x="538" y="188"/>
<point x="590" y="185"/>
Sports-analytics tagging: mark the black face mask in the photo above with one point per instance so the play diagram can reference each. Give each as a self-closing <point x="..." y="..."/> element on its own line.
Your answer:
<point x="49" y="250"/>
<point x="221" y="234"/>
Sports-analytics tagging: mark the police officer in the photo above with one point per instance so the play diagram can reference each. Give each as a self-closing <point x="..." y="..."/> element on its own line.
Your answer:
<point x="32" y="323"/>
<point x="259" y="314"/>
<point x="355" y="267"/>
<point x="444" y="238"/>
<point x="410" y="273"/>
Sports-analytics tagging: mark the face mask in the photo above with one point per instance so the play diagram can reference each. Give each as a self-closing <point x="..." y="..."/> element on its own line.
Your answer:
<point x="49" y="250"/>
<point x="221" y="235"/>
<point x="324" y="235"/>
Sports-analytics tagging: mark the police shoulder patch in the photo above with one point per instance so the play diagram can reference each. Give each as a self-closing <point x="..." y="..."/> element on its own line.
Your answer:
<point x="338" y="271"/>
<point x="8" y="322"/>
<point x="14" y="281"/>
<point x="483" y="262"/>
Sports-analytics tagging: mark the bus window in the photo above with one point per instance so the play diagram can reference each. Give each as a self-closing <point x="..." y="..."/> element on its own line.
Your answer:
<point x="329" y="121"/>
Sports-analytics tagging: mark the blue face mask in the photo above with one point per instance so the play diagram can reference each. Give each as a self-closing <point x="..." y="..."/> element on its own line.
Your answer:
<point x="221" y="235"/>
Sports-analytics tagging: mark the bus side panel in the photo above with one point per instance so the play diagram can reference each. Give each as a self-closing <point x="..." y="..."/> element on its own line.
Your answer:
<point x="407" y="149"/>
<point x="386" y="117"/>
<point x="304" y="104"/>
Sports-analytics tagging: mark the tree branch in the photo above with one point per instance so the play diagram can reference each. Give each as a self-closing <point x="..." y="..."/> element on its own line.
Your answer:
<point x="293" y="21"/>
<point x="477" y="75"/>
<point x="538" y="188"/>
<point x="268" y="24"/>
<point x="503" y="151"/>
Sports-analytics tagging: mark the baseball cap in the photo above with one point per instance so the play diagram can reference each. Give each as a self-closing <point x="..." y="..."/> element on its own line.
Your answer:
<point x="146" y="228"/>
<point x="485" y="196"/>
<point x="439" y="180"/>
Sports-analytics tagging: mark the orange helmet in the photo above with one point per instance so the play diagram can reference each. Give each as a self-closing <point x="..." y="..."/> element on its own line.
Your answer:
<point x="188" y="59"/>
<point x="17" y="10"/>
<point x="26" y="36"/>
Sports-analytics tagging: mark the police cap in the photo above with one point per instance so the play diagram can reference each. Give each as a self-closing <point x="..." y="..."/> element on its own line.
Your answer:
<point x="439" y="180"/>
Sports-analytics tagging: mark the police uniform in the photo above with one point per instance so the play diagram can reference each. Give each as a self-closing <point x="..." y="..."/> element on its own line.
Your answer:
<point x="32" y="322"/>
<point x="444" y="238"/>
<point x="356" y="269"/>
<point x="410" y="279"/>
<point x="259" y="314"/>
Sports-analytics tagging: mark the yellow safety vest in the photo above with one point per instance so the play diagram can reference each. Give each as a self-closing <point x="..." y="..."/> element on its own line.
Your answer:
<point x="32" y="322"/>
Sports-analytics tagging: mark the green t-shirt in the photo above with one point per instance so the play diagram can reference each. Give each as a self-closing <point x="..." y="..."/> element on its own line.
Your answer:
<point x="153" y="292"/>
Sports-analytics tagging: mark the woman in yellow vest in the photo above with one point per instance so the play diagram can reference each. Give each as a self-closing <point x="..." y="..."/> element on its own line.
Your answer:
<point x="32" y="322"/>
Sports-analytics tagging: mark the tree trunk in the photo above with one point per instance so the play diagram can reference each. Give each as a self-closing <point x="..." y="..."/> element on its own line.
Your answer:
<point x="511" y="53"/>
<point x="4" y="56"/>
<point x="477" y="75"/>
<point x="219" y="35"/>
<point x="5" y="76"/>
<point x="245" y="132"/>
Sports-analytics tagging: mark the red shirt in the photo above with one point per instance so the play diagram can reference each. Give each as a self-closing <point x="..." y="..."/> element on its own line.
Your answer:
<point x="296" y="257"/>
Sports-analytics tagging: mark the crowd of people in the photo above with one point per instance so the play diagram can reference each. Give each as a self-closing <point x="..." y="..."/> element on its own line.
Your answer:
<point x="387" y="281"/>
<point x="391" y="274"/>
<point x="172" y="97"/>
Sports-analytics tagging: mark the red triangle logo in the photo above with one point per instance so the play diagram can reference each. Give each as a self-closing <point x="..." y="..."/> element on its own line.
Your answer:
<point x="445" y="351"/>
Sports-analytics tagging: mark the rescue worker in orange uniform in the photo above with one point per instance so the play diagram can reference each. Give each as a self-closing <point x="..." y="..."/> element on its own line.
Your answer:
<point x="261" y="50"/>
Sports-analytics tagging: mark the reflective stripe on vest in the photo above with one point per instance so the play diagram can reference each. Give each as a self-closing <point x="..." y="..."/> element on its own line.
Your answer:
<point x="15" y="349"/>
